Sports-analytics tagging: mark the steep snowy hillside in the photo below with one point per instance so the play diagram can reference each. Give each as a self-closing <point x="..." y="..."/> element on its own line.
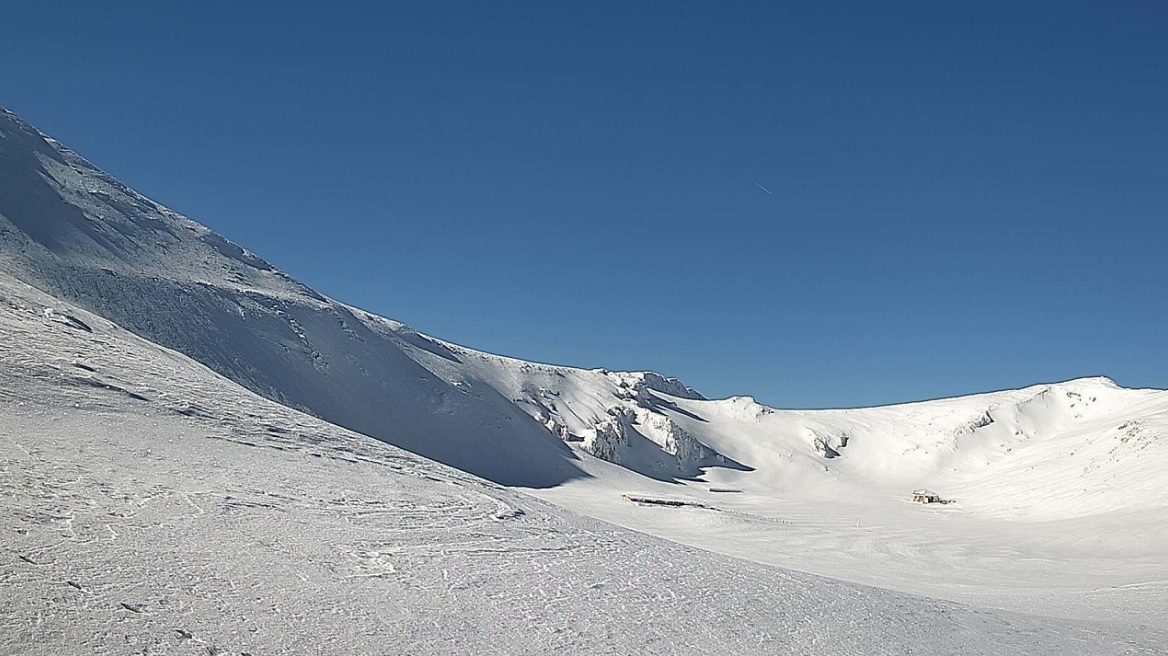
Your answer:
<point x="614" y="416"/>
<point x="68" y="228"/>
<point x="151" y="506"/>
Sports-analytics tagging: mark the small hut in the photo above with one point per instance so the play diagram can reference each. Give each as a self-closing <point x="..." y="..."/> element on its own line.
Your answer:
<point x="926" y="496"/>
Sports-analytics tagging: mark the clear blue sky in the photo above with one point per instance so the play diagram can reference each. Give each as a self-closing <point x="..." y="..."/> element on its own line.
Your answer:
<point x="963" y="196"/>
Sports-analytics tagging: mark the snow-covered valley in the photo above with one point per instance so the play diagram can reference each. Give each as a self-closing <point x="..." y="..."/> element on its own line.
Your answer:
<point x="199" y="454"/>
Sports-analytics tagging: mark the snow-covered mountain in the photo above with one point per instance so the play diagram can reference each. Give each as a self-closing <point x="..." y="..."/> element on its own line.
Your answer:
<point x="1044" y="452"/>
<point x="150" y="506"/>
<point x="72" y="230"/>
<point x="1059" y="492"/>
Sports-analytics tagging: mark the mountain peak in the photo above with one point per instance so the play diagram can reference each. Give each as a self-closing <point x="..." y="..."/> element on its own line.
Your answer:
<point x="1092" y="381"/>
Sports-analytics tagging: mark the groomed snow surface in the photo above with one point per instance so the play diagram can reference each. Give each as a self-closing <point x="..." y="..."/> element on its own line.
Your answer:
<point x="258" y="469"/>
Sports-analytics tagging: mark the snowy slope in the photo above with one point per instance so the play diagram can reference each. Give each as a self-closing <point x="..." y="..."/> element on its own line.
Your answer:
<point x="151" y="506"/>
<point x="1060" y="491"/>
<point x="615" y="416"/>
<point x="1061" y="500"/>
<point x="74" y="231"/>
<point x="71" y="229"/>
<point x="1045" y="452"/>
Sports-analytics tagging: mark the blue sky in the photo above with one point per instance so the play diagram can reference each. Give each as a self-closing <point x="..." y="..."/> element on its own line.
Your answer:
<point x="958" y="198"/>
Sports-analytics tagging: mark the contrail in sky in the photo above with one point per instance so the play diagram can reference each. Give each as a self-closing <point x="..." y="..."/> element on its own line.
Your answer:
<point x="764" y="188"/>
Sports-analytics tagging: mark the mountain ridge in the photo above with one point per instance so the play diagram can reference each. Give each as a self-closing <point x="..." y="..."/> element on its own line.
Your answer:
<point x="1057" y="491"/>
<point x="78" y="233"/>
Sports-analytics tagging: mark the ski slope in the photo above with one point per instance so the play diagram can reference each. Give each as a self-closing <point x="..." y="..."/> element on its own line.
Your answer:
<point x="234" y="500"/>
